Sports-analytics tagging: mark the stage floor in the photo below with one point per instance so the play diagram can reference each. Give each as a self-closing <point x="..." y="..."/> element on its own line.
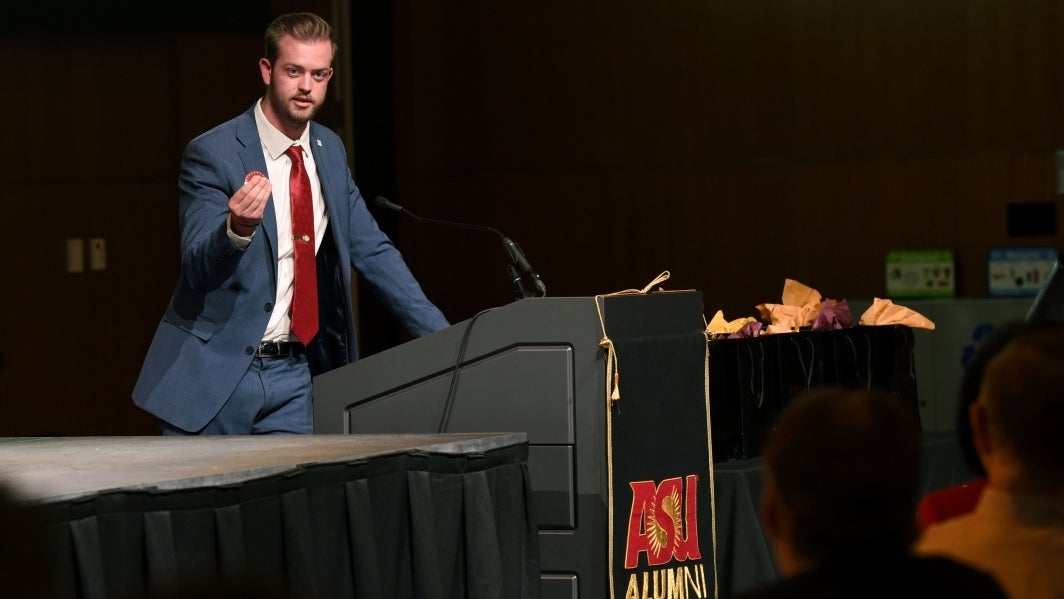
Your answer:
<point x="50" y="469"/>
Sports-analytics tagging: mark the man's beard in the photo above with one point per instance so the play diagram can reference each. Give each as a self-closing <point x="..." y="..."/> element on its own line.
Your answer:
<point x="287" y="111"/>
<point x="299" y="116"/>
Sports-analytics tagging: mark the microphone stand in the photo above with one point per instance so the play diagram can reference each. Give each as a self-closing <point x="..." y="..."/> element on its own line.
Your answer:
<point x="518" y="265"/>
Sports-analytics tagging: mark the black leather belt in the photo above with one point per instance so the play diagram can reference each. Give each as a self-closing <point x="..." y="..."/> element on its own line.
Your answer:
<point x="270" y="349"/>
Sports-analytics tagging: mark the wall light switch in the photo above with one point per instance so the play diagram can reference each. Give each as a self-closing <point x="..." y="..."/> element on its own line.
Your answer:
<point x="75" y="255"/>
<point x="97" y="253"/>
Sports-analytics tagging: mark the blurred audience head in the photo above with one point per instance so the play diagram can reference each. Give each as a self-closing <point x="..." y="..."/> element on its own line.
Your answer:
<point x="1016" y="419"/>
<point x="973" y="378"/>
<point x="842" y="470"/>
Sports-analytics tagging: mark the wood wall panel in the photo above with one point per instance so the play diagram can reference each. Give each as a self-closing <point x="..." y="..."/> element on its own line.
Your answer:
<point x="732" y="142"/>
<point x="94" y="162"/>
<point x="100" y="121"/>
<point x="735" y="143"/>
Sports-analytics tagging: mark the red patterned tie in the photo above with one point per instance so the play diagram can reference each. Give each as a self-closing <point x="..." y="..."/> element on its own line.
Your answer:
<point x="305" y="299"/>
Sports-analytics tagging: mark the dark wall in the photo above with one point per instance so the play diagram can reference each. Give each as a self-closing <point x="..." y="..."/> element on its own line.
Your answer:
<point x="733" y="143"/>
<point x="97" y="110"/>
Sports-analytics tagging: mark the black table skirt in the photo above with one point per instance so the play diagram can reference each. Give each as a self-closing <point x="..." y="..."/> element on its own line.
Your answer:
<point x="413" y="524"/>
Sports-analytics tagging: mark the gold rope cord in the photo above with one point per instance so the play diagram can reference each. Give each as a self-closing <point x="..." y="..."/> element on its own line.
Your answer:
<point x="613" y="394"/>
<point x="712" y="481"/>
<point x="613" y="375"/>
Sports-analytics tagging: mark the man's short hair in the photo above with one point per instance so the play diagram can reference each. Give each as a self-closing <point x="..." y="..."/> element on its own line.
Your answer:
<point x="1023" y="394"/>
<point x="303" y="26"/>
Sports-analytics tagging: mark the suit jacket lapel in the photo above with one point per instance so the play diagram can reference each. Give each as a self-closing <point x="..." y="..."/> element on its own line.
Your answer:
<point x="328" y="179"/>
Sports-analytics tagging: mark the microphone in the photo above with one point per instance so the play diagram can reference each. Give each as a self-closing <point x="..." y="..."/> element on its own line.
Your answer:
<point x="518" y="263"/>
<point x="382" y="202"/>
<point x="517" y="258"/>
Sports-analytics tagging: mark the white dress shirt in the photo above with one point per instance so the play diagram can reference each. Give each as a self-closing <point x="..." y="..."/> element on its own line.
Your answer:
<point x="279" y="166"/>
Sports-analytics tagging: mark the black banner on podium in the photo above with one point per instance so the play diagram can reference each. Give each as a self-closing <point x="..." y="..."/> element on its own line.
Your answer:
<point x="660" y="467"/>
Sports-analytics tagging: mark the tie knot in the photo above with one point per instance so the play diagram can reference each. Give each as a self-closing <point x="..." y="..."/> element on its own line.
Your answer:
<point x="295" y="153"/>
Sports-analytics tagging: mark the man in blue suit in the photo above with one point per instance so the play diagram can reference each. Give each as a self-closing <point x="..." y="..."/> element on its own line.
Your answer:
<point x="224" y="359"/>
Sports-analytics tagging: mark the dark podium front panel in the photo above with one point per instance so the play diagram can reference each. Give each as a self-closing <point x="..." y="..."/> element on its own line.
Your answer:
<point x="533" y="366"/>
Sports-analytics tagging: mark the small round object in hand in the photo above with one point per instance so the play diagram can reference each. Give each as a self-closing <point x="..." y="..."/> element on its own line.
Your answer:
<point x="251" y="175"/>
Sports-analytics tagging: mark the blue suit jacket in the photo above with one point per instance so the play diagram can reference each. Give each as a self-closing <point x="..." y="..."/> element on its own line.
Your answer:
<point x="224" y="295"/>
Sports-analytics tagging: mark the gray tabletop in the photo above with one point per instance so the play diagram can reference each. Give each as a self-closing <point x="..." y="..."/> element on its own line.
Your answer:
<point x="46" y="469"/>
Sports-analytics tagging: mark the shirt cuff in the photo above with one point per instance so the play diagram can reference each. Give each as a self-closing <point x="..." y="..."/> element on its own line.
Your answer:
<point x="240" y="241"/>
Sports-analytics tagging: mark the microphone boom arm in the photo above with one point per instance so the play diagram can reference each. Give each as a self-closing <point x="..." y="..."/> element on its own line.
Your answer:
<point x="518" y="265"/>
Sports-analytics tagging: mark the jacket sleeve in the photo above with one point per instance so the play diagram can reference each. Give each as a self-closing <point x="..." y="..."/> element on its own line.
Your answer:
<point x="379" y="264"/>
<point x="208" y="256"/>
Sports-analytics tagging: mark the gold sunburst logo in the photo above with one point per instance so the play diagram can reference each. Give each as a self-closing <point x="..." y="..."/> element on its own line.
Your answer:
<point x="659" y="537"/>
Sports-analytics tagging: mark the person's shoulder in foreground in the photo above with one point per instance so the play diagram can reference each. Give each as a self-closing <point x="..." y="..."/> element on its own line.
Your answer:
<point x="1016" y="531"/>
<point x="842" y="474"/>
